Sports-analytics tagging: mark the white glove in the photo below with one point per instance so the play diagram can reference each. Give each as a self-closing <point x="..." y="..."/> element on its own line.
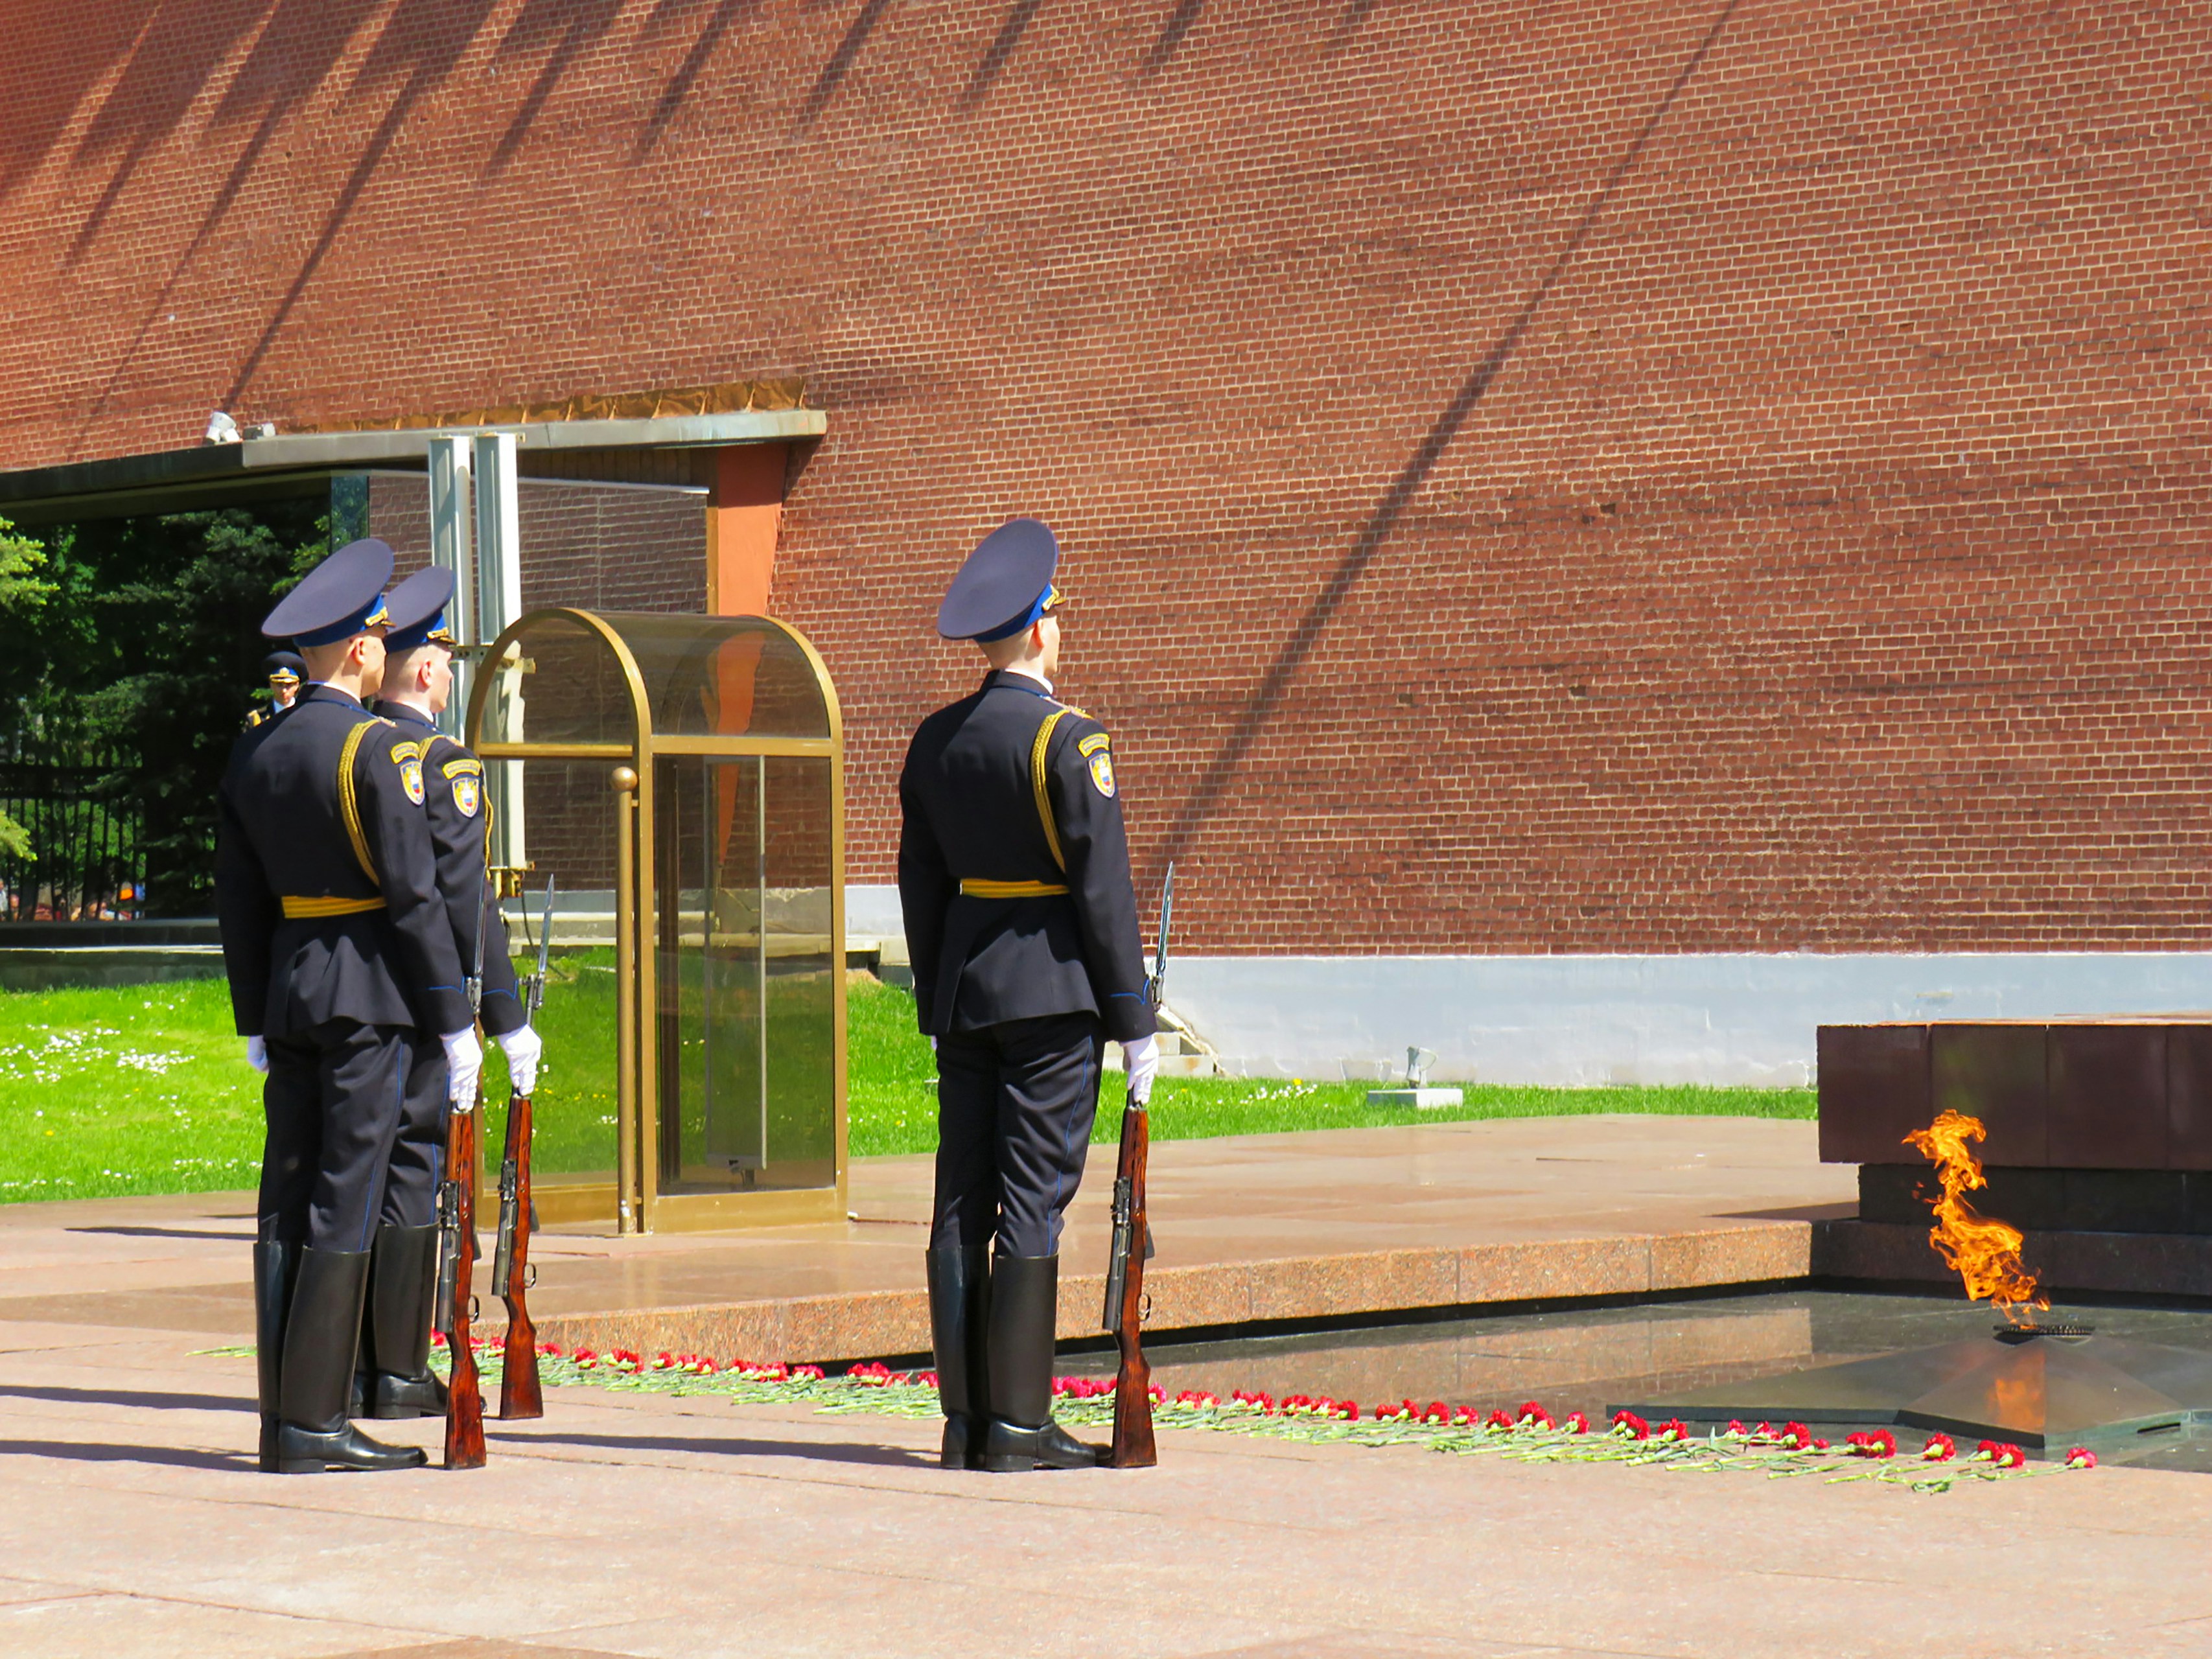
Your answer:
<point x="522" y="1049"/>
<point x="1142" y="1056"/>
<point x="257" y="1055"/>
<point x="464" y="1060"/>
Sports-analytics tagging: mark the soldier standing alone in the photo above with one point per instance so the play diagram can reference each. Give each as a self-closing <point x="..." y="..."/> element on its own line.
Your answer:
<point x="338" y="951"/>
<point x="1021" y="923"/>
<point x="396" y="1379"/>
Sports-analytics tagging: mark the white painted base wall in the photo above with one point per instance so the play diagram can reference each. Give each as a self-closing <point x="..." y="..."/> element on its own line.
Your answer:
<point x="1593" y="1020"/>
<point x="1614" y="1019"/>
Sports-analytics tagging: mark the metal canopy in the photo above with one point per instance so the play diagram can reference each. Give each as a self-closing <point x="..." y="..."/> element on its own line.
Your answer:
<point x="300" y="463"/>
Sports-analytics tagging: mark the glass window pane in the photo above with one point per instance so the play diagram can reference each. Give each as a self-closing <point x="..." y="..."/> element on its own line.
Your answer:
<point x="571" y="824"/>
<point x="724" y="676"/>
<point x="561" y="683"/>
<point x="805" y="966"/>
<point x="747" y="1070"/>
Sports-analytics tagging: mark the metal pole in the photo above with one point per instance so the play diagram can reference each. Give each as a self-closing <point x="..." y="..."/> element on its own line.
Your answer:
<point x="624" y="780"/>
<point x="498" y="603"/>
<point x="449" y="534"/>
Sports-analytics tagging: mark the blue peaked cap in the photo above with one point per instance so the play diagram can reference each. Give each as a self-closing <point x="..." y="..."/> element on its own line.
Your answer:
<point x="1004" y="586"/>
<point x="418" y="610"/>
<point x="341" y="597"/>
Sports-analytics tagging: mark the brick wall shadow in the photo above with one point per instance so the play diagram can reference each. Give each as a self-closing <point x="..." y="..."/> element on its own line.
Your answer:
<point x="1222" y="770"/>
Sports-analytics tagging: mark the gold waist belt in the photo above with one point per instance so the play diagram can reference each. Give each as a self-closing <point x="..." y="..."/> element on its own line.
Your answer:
<point x="298" y="909"/>
<point x="975" y="887"/>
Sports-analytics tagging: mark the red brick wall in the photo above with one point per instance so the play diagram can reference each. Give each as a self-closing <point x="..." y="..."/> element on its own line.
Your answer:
<point x="1653" y="477"/>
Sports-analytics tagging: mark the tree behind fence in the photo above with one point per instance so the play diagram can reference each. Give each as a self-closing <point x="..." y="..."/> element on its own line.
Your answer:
<point x="80" y="807"/>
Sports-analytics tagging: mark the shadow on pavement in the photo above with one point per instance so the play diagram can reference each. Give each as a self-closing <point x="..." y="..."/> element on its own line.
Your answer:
<point x="243" y="1237"/>
<point x="883" y="1456"/>
<point x="78" y="1451"/>
<point x="184" y="1402"/>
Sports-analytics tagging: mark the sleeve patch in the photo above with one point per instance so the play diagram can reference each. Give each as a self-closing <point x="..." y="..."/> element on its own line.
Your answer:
<point x="1093" y="743"/>
<point x="1102" y="773"/>
<point x="404" y="752"/>
<point x="468" y="790"/>
<point x="453" y="769"/>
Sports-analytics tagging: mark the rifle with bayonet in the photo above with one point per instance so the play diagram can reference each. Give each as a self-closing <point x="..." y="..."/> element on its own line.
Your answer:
<point x="1132" y="1447"/>
<point x="520" y="1396"/>
<point x="455" y="1298"/>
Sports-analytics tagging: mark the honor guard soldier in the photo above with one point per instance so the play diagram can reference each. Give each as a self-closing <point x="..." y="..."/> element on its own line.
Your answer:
<point x="395" y="1377"/>
<point x="338" y="951"/>
<point x="286" y="673"/>
<point x="1021" y="923"/>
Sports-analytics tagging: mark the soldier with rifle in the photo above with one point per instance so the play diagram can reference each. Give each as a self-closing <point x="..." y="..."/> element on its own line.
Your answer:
<point x="1022" y="921"/>
<point x="395" y="1379"/>
<point x="341" y="964"/>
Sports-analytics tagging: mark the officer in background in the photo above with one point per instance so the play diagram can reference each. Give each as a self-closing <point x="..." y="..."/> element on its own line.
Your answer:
<point x="286" y="672"/>
<point x="395" y="1378"/>
<point x="1021" y="923"/>
<point x="338" y="951"/>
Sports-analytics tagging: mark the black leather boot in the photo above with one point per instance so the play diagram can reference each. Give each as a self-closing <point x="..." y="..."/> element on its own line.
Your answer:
<point x="393" y="1377"/>
<point x="312" y="1434"/>
<point x="1025" y="1299"/>
<point x="274" y="1266"/>
<point x="959" y="1327"/>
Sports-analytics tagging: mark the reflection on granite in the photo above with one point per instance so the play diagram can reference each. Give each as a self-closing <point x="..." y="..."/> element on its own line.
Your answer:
<point x="1583" y="1359"/>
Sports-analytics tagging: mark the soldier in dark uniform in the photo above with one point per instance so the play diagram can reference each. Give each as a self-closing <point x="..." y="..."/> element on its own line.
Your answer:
<point x="338" y="951"/>
<point x="286" y="673"/>
<point x="1021" y="923"/>
<point x="395" y="1377"/>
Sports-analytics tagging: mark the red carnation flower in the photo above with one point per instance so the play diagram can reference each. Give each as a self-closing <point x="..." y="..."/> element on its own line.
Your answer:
<point x="1675" y="1429"/>
<point x="1577" y="1424"/>
<point x="2081" y="1458"/>
<point x="1940" y="1448"/>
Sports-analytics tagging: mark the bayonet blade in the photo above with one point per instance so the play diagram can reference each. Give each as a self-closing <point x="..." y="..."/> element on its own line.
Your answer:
<point x="1156" y="990"/>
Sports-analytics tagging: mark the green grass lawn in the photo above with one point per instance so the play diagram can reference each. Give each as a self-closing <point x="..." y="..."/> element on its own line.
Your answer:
<point x="143" y="1089"/>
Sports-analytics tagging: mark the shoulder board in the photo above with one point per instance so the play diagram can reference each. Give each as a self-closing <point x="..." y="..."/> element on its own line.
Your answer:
<point x="253" y="718"/>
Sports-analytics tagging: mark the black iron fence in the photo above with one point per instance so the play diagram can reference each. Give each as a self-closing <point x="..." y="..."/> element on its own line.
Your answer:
<point x="79" y="858"/>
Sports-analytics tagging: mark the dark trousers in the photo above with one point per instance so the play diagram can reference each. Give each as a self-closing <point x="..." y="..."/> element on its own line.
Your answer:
<point x="418" y="1151"/>
<point x="1014" y="1107"/>
<point x="332" y="1101"/>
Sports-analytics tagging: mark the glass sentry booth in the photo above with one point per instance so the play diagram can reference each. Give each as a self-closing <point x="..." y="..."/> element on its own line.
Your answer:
<point x="681" y="778"/>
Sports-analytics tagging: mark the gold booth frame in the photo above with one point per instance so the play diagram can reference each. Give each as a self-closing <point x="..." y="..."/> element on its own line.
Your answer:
<point x="634" y="1199"/>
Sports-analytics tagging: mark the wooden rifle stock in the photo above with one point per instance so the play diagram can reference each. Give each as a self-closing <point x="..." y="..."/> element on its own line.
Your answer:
<point x="1132" y="1447"/>
<point x="520" y="1396"/>
<point x="457" y="1221"/>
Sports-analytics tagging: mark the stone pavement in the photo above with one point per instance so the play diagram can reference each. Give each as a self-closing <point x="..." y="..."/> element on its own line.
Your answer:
<point x="131" y="1524"/>
<point x="1294" y="1227"/>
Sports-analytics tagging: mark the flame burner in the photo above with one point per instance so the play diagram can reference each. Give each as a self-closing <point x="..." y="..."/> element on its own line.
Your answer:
<point x="2058" y="1331"/>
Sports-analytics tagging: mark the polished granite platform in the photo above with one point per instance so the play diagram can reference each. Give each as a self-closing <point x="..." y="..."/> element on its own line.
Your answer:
<point x="1331" y="1225"/>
